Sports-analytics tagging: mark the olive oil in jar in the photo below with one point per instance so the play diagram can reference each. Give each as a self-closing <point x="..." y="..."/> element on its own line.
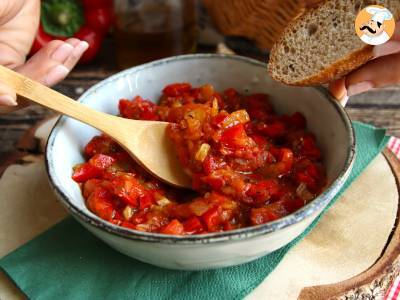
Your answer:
<point x="146" y="30"/>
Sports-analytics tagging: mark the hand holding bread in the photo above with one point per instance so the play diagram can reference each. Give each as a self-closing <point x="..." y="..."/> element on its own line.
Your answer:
<point x="321" y="46"/>
<point x="382" y="70"/>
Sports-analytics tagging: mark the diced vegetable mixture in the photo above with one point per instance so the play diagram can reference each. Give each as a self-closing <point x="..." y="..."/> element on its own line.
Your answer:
<point x="248" y="165"/>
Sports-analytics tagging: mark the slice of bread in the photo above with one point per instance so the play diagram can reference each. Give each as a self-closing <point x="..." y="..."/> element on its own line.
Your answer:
<point x="322" y="45"/>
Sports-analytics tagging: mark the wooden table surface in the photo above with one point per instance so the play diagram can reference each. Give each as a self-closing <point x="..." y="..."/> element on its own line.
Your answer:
<point x="380" y="107"/>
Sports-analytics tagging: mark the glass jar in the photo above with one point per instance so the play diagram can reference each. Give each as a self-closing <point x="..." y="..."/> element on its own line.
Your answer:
<point x="146" y="30"/>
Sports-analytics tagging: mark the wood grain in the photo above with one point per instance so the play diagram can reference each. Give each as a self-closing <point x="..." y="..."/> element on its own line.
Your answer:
<point x="374" y="282"/>
<point x="260" y="21"/>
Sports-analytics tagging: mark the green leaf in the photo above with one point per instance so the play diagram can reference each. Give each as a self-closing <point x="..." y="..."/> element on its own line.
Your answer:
<point x="61" y="17"/>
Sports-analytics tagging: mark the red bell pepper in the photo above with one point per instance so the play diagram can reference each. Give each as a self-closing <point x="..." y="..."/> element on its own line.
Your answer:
<point x="62" y="19"/>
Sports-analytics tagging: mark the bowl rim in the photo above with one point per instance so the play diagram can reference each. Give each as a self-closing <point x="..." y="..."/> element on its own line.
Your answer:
<point x="237" y="234"/>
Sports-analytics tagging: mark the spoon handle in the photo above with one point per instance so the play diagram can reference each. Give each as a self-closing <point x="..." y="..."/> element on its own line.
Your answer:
<point x="38" y="93"/>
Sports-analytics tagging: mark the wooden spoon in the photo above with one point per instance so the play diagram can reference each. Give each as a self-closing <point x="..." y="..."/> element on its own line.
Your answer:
<point x="145" y="141"/>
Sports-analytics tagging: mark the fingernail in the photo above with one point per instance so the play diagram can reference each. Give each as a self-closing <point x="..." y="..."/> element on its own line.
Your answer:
<point x="7" y="100"/>
<point x="56" y="74"/>
<point x="62" y="52"/>
<point x="359" y="88"/>
<point x="388" y="48"/>
<point x="80" y="48"/>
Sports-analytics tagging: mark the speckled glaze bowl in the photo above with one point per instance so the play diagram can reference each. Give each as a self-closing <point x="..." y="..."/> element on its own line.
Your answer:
<point x="326" y="118"/>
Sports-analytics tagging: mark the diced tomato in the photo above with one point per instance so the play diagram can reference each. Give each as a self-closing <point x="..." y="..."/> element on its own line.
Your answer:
<point x="263" y="215"/>
<point x="193" y="225"/>
<point x="100" y="202"/>
<point x="128" y="189"/>
<point x="139" y="109"/>
<point x="128" y="225"/>
<point x="234" y="136"/>
<point x="145" y="201"/>
<point x="101" y="144"/>
<point x="209" y="164"/>
<point x="263" y="190"/>
<point x="212" y="218"/>
<point x="176" y="89"/>
<point x="297" y="120"/>
<point x="86" y="171"/>
<point x="216" y="183"/>
<point x="258" y="106"/>
<point x="173" y="227"/>
<point x="260" y="140"/>
<point x="101" y="161"/>
<point x="291" y="205"/>
<point x="219" y="119"/>
<point x="90" y="185"/>
<point x="273" y="130"/>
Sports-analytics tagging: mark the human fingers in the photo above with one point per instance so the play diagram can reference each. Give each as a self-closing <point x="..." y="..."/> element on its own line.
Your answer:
<point x="376" y="73"/>
<point x="52" y="63"/>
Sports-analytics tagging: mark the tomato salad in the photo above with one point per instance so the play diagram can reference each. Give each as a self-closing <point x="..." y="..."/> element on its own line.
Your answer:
<point x="248" y="165"/>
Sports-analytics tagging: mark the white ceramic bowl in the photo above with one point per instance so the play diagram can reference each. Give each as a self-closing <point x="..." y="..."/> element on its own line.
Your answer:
<point x="326" y="118"/>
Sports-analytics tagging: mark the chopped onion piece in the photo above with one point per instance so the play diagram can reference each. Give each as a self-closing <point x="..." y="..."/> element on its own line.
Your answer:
<point x="128" y="212"/>
<point x="201" y="154"/>
<point x="163" y="201"/>
<point x="303" y="192"/>
<point x="239" y="116"/>
<point x="214" y="108"/>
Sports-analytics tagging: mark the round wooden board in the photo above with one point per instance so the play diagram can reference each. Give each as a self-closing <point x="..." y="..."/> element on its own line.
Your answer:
<point x="374" y="281"/>
<point x="379" y="277"/>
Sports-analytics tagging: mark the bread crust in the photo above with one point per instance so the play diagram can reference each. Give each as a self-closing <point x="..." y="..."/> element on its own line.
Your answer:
<point x="336" y="70"/>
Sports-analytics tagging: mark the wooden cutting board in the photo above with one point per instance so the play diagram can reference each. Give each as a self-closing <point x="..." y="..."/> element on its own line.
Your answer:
<point x="353" y="252"/>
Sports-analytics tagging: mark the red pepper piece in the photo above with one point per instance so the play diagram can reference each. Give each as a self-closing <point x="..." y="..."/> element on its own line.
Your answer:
<point x="101" y="144"/>
<point x="176" y="89"/>
<point x="291" y="205"/>
<point x="264" y="214"/>
<point x="145" y="201"/>
<point x="100" y="202"/>
<point x="128" y="188"/>
<point x="234" y="137"/>
<point x="263" y="190"/>
<point x="102" y="161"/>
<point x="193" y="225"/>
<point x="273" y="130"/>
<point x="173" y="227"/>
<point x="216" y="183"/>
<point x="138" y="109"/>
<point x="85" y="172"/>
<point x="209" y="164"/>
<point x="212" y="218"/>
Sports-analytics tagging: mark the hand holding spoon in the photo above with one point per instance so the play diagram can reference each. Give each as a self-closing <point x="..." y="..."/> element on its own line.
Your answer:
<point x="145" y="141"/>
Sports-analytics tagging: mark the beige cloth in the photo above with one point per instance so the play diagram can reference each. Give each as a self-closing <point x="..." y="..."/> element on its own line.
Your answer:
<point x="348" y="240"/>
